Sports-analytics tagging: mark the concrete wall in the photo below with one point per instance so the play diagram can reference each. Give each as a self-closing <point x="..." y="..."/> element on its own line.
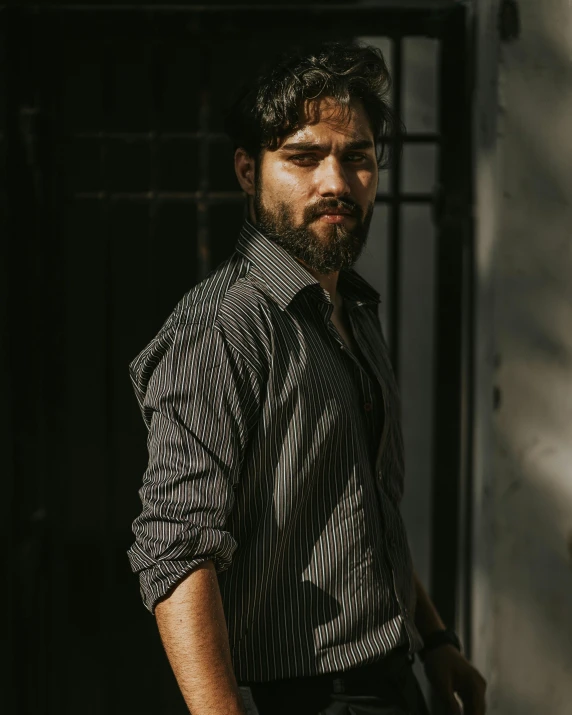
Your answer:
<point x="523" y="488"/>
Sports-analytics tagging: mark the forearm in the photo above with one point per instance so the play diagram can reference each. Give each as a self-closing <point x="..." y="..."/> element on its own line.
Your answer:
<point x="193" y="630"/>
<point x="427" y="618"/>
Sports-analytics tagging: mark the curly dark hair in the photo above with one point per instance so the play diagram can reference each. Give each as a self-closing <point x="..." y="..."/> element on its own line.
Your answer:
<point x="285" y="96"/>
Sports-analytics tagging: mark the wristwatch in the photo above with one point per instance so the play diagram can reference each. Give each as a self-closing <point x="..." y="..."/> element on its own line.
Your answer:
<point x="438" y="638"/>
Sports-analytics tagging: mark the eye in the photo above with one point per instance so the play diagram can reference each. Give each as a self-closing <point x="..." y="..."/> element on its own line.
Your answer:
<point x="356" y="158"/>
<point x="304" y="159"/>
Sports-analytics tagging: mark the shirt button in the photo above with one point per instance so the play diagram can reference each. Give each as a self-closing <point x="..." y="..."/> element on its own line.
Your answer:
<point x="367" y="406"/>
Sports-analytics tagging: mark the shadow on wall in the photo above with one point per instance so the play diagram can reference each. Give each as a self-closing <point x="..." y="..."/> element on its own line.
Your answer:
<point x="531" y="577"/>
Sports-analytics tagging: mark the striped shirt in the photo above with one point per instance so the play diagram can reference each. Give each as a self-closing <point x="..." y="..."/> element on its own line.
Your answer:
<point x="276" y="452"/>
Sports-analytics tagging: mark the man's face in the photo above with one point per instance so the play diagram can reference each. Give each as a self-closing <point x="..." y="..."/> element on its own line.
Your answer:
<point x="314" y="195"/>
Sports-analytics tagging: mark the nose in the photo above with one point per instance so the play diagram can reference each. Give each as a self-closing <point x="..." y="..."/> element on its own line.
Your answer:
<point x="331" y="178"/>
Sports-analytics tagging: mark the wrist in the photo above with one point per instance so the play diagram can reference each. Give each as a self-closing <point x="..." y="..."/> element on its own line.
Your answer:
<point x="436" y="639"/>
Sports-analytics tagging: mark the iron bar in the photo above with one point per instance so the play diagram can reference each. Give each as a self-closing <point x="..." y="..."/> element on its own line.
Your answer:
<point x="149" y="136"/>
<point x="420" y="18"/>
<point x="418" y="5"/>
<point x="394" y="258"/>
<point x="156" y="135"/>
<point x="451" y="523"/>
<point x="218" y="197"/>
<point x="154" y="158"/>
<point x="109" y="477"/>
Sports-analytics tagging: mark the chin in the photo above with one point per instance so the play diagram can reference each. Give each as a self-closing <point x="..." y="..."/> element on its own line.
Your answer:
<point x="326" y="231"/>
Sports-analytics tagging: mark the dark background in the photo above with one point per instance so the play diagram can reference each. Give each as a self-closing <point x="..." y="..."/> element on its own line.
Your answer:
<point x="117" y="196"/>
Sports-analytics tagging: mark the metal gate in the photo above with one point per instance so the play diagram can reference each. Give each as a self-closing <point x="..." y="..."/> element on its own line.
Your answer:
<point x="120" y="195"/>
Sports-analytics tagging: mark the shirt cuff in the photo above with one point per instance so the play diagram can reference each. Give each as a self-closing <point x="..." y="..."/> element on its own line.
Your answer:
<point x="158" y="579"/>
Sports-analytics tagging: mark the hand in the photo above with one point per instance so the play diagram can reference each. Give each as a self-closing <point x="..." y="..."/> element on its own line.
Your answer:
<point x="449" y="672"/>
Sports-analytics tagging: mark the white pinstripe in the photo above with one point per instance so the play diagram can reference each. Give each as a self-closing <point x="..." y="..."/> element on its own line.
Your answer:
<point x="262" y="458"/>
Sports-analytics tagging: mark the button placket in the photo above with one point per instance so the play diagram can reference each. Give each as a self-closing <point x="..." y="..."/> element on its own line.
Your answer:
<point x="391" y="540"/>
<point x="377" y="373"/>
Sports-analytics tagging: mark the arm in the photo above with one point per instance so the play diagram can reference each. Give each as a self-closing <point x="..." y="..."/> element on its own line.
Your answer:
<point x="427" y="619"/>
<point x="448" y="671"/>
<point x="193" y="630"/>
<point x="199" y="402"/>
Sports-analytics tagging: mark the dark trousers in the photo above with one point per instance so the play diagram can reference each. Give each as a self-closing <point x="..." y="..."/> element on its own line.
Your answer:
<point x="388" y="687"/>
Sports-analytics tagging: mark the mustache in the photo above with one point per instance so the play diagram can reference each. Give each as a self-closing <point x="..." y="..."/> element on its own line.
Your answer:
<point x="321" y="206"/>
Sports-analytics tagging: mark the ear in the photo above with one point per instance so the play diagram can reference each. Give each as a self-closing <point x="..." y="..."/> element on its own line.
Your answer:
<point x="244" y="166"/>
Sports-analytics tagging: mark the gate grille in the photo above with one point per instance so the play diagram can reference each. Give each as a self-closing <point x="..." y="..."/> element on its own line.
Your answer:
<point x="112" y="140"/>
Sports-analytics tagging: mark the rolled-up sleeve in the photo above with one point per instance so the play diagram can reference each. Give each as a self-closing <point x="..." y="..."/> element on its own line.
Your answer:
<point x="199" y="399"/>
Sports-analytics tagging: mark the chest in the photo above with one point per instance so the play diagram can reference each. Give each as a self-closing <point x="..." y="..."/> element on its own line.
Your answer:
<point x="325" y="358"/>
<point x="333" y="405"/>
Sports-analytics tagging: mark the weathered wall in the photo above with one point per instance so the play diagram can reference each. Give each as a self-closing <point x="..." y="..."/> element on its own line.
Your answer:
<point x="523" y="575"/>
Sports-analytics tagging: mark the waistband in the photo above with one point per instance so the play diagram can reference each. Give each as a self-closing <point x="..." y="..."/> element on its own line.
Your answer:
<point x="344" y="681"/>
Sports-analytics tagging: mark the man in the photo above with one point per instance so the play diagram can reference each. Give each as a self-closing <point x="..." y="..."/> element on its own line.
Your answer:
<point x="270" y="546"/>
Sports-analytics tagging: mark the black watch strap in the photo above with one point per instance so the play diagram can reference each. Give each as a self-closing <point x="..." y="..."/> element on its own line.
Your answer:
<point x="439" y="638"/>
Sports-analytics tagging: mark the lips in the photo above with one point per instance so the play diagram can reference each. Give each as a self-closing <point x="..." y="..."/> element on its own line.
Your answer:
<point x="333" y="217"/>
<point x="331" y="214"/>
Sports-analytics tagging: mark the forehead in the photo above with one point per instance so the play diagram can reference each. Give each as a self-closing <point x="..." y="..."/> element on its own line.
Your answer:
<point x="326" y="119"/>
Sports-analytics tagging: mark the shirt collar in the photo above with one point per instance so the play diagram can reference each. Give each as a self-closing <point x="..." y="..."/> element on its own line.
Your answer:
<point x="355" y="289"/>
<point x="280" y="274"/>
<point x="282" y="277"/>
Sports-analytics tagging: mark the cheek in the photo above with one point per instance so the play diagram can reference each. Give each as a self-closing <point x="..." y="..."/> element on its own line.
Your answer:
<point x="287" y="187"/>
<point x="367" y="179"/>
<point x="365" y="186"/>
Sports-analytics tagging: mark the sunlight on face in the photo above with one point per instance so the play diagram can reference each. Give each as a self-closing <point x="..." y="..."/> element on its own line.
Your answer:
<point x="315" y="193"/>
<point x="333" y="158"/>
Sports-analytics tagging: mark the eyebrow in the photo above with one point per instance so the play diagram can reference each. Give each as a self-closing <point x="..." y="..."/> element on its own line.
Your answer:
<point x="312" y="146"/>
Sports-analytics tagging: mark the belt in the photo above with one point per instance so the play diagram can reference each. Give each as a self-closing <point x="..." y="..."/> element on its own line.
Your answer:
<point x="359" y="679"/>
<point x="356" y="680"/>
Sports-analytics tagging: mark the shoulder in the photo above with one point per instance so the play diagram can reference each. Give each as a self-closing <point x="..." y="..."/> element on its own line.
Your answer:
<point x="190" y="323"/>
<point x="200" y="305"/>
<point x="226" y="298"/>
<point x="225" y="310"/>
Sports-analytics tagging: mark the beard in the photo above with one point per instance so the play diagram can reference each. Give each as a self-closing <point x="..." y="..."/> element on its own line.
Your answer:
<point x="337" y="247"/>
